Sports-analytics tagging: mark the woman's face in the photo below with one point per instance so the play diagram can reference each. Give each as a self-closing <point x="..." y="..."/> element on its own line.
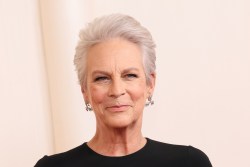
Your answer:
<point x="116" y="85"/>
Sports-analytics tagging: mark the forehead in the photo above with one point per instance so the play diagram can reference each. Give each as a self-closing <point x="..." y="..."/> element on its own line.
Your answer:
<point x="114" y="53"/>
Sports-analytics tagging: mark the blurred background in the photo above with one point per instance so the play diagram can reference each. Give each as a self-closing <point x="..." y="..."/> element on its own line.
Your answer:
<point x="202" y="96"/>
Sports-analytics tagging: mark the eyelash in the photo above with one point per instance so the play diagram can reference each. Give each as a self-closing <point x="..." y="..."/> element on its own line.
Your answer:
<point x="131" y="75"/>
<point x="104" y="78"/>
<point x="100" y="78"/>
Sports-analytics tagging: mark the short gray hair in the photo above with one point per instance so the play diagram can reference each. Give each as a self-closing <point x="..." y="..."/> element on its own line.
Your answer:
<point x="114" y="26"/>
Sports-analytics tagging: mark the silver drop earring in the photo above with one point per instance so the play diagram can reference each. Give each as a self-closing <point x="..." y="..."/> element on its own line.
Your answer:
<point x="88" y="107"/>
<point x="150" y="101"/>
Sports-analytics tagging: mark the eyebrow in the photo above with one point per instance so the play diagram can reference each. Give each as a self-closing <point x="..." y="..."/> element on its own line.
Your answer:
<point x="107" y="73"/>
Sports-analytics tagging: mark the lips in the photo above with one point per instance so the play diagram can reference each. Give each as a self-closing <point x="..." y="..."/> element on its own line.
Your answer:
<point x="118" y="108"/>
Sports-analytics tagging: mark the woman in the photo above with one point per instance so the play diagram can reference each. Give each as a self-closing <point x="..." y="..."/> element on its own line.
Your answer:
<point x="115" y="62"/>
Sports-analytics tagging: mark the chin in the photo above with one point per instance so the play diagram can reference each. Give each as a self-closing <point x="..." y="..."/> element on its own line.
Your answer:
<point x="120" y="123"/>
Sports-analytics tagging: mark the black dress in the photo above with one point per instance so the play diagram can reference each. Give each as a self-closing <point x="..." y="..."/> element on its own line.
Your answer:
<point x="153" y="154"/>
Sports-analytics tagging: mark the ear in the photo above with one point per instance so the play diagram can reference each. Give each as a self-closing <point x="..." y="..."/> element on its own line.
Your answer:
<point x="84" y="94"/>
<point x="151" y="84"/>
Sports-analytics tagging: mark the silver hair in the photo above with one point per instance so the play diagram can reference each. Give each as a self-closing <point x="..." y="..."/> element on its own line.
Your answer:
<point x="114" y="26"/>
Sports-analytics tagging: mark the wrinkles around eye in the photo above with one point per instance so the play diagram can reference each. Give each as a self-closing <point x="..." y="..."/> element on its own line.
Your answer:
<point x="106" y="79"/>
<point x="100" y="79"/>
<point x="132" y="76"/>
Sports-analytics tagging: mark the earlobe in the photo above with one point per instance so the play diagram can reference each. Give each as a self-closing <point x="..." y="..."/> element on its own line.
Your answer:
<point x="152" y="82"/>
<point x="82" y="90"/>
<point x="84" y="94"/>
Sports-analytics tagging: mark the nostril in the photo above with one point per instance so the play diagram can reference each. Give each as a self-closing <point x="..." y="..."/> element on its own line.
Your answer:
<point x="114" y="92"/>
<point x="117" y="94"/>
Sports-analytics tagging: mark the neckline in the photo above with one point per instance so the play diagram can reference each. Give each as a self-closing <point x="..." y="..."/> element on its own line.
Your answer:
<point x="119" y="157"/>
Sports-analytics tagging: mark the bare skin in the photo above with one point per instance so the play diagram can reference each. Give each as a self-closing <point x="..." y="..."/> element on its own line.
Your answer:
<point x="117" y="91"/>
<point x="117" y="142"/>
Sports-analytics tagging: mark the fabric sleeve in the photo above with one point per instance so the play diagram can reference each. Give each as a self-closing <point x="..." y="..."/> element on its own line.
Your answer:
<point x="43" y="162"/>
<point x="197" y="158"/>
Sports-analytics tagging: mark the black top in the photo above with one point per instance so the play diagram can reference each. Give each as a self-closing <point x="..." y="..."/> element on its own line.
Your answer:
<point x="154" y="153"/>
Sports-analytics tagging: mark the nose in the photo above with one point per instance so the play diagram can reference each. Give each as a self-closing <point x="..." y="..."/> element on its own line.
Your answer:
<point x="117" y="88"/>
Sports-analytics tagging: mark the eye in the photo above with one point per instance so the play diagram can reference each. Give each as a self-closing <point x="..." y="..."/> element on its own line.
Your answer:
<point x="101" y="78"/>
<point x="131" y="76"/>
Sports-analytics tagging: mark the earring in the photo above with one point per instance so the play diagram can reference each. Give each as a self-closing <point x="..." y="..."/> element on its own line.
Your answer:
<point x="88" y="107"/>
<point x="150" y="101"/>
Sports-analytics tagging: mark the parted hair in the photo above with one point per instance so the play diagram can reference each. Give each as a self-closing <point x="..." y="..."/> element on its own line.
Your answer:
<point x="114" y="26"/>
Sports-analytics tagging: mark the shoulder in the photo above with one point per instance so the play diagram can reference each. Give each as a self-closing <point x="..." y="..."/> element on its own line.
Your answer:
<point x="198" y="158"/>
<point x="62" y="159"/>
<point x="166" y="148"/>
<point x="180" y="154"/>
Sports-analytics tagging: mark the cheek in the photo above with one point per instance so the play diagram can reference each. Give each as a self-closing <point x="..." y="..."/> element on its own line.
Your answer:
<point x="138" y="92"/>
<point x="97" y="94"/>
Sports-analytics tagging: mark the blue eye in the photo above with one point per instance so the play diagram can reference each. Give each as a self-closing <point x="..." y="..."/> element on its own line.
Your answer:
<point x="103" y="78"/>
<point x="131" y="76"/>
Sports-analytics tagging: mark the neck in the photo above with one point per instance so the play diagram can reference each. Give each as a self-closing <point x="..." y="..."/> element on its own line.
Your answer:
<point x="117" y="141"/>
